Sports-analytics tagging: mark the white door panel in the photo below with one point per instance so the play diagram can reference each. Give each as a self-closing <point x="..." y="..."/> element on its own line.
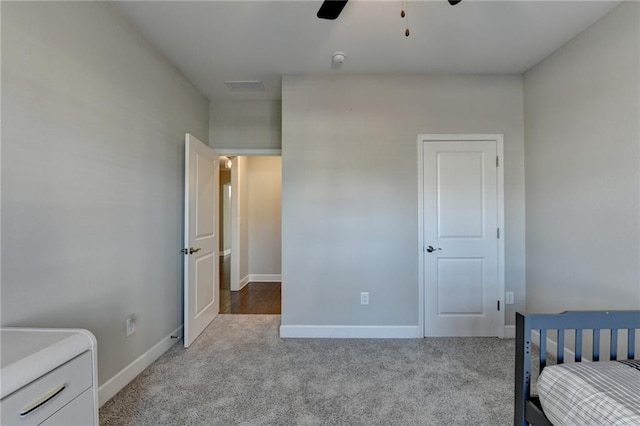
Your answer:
<point x="201" y="278"/>
<point x="460" y="204"/>
<point x="205" y="191"/>
<point x="205" y="294"/>
<point x="459" y="286"/>
<point x="460" y="221"/>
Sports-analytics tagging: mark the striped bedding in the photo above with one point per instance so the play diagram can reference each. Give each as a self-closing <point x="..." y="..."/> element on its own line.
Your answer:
<point x="591" y="393"/>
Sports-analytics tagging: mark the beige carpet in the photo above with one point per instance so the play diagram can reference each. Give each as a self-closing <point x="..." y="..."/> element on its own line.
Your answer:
<point x="239" y="372"/>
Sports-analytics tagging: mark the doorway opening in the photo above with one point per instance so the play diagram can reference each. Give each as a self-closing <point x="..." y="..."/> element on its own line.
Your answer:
<point x="250" y="234"/>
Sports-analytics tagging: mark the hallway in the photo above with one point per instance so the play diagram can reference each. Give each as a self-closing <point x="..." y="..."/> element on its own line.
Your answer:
<point x="254" y="298"/>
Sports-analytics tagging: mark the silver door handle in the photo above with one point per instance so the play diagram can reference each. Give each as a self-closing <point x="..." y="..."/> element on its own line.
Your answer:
<point x="431" y="249"/>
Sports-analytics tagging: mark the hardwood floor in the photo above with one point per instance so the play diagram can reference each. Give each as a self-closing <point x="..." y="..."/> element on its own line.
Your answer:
<point x="254" y="298"/>
<point x="225" y="272"/>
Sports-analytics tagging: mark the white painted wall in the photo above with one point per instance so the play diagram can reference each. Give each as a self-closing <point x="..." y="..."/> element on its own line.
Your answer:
<point x="264" y="187"/>
<point x="93" y="125"/>
<point x="350" y="188"/>
<point x="582" y="129"/>
<point x="245" y="124"/>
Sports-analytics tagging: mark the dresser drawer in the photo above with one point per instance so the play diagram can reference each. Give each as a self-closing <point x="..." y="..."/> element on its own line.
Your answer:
<point x="78" y="412"/>
<point x="49" y="393"/>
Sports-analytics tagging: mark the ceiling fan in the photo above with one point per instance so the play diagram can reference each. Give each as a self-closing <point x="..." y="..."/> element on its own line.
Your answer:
<point x="330" y="9"/>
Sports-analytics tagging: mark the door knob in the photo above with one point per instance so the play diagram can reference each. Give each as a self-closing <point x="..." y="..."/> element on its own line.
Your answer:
<point x="190" y="250"/>
<point x="431" y="249"/>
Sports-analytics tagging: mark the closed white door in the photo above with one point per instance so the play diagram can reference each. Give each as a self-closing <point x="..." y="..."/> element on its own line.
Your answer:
<point x="460" y="224"/>
<point x="201" y="277"/>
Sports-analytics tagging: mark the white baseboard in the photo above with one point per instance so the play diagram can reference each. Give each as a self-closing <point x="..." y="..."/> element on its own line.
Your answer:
<point x="225" y="253"/>
<point x="351" y="331"/>
<point x="265" y="278"/>
<point x="243" y="282"/>
<point x="509" y="332"/>
<point x="127" y="374"/>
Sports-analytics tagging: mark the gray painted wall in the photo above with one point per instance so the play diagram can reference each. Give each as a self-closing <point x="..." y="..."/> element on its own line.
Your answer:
<point x="582" y="155"/>
<point x="264" y="187"/>
<point x="350" y="188"/>
<point x="93" y="124"/>
<point x="226" y="217"/>
<point x="245" y="124"/>
<point x="243" y="216"/>
<point x="224" y="228"/>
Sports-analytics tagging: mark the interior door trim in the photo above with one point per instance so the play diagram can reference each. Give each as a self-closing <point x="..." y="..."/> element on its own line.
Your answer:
<point x="499" y="139"/>
<point x="237" y="282"/>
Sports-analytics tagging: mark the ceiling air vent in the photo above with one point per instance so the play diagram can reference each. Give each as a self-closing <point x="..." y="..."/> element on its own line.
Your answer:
<point x="245" y="86"/>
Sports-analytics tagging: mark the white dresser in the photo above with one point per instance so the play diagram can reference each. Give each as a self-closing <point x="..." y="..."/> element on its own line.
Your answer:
<point x="48" y="377"/>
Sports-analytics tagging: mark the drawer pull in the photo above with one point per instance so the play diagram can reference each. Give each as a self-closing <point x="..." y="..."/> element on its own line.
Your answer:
<point x="42" y="400"/>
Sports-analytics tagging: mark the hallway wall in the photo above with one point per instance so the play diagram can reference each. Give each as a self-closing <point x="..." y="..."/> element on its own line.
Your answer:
<point x="265" y="242"/>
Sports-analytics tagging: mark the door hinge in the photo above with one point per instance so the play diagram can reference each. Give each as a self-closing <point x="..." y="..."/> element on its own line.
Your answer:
<point x="498" y="305"/>
<point x="497" y="161"/>
<point x="498" y="233"/>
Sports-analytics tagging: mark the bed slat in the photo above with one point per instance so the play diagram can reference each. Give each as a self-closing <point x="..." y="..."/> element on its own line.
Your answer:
<point x="596" y="345"/>
<point x="543" y="349"/>
<point x="631" y="343"/>
<point x="560" y="349"/>
<point x="578" y="346"/>
<point x="613" y="350"/>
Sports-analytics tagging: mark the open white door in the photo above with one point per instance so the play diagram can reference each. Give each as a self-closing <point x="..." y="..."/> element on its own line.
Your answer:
<point x="201" y="215"/>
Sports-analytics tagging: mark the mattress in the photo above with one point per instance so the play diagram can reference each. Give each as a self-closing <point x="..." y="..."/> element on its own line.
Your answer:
<point x="591" y="393"/>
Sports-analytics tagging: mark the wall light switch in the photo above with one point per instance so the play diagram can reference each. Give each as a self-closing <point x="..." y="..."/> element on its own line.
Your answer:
<point x="509" y="299"/>
<point x="131" y="327"/>
<point x="131" y="324"/>
<point x="364" y="298"/>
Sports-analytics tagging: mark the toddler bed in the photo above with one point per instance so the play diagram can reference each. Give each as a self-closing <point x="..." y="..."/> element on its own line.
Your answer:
<point x="579" y="393"/>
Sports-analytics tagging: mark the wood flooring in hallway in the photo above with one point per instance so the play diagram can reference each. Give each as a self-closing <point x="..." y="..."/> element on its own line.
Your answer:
<point x="254" y="298"/>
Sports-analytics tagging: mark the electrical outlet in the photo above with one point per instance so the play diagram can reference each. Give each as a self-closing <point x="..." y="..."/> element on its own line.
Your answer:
<point x="364" y="298"/>
<point x="509" y="298"/>
<point x="131" y="325"/>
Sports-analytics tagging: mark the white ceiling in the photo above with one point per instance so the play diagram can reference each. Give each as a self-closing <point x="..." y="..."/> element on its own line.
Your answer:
<point x="214" y="41"/>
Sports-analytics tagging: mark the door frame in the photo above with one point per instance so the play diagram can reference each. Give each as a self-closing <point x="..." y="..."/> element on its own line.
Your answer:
<point x="499" y="139"/>
<point x="235" y="212"/>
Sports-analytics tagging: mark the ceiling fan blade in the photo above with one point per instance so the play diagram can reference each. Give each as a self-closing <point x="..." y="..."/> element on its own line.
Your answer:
<point x="331" y="9"/>
<point x="454" y="2"/>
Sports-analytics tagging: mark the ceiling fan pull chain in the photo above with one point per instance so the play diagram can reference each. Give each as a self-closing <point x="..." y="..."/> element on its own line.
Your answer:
<point x="404" y="14"/>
